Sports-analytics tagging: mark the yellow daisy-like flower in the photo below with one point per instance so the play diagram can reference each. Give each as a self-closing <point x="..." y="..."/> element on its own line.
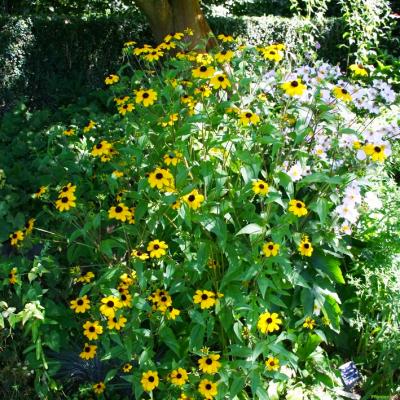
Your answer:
<point x="16" y="237"/>
<point x="205" y="298"/>
<point x="146" y="97"/>
<point x="163" y="303"/>
<point x="208" y="389"/>
<point x="111" y="79"/>
<point x="157" y="248"/>
<point x="309" y="323"/>
<point x="99" y="387"/>
<point x="170" y="121"/>
<point x="110" y="305"/>
<point x="81" y="304"/>
<point x="272" y="54"/>
<point x="269" y="322"/>
<point x="69" y="132"/>
<point x="260" y="187"/>
<point x="294" y="88"/>
<point x="248" y="117"/>
<point x="298" y="208"/>
<point x="225" y="38"/>
<point x="120" y="212"/>
<point x="128" y="279"/>
<point x="173" y="157"/>
<point x="167" y="45"/>
<point x="121" y="100"/>
<point x="305" y="248"/>
<point x="186" y="99"/>
<point x="193" y="199"/>
<point x="126" y="108"/>
<point x="342" y="94"/>
<point x="160" y="178"/>
<point x="67" y="190"/>
<point x="89" y="351"/>
<point x="172" y="312"/>
<point x="220" y="81"/>
<point x="203" y="72"/>
<point x="270" y="249"/>
<point x="29" y="226"/>
<point x="209" y="364"/>
<point x="272" y="364"/>
<point x="91" y="124"/>
<point x="178" y="376"/>
<point x="85" y="278"/>
<point x="12" y="276"/>
<point x="66" y="202"/>
<point x="100" y="149"/>
<point x="175" y="35"/>
<point x="153" y="55"/>
<point x="204" y="91"/>
<point x="376" y="152"/>
<point x="126" y="300"/>
<point x="204" y="58"/>
<point x="117" y="174"/>
<point x="127" y="367"/>
<point x="149" y="380"/>
<point x="42" y="190"/>
<point x="92" y="330"/>
<point x="141" y="255"/>
<point x="224" y="56"/>
<point x="176" y="205"/>
<point x="130" y="43"/>
<point x="358" y="70"/>
<point x="116" y="323"/>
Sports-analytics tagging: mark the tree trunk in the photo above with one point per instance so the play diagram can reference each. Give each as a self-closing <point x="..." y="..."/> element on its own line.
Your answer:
<point x="169" y="16"/>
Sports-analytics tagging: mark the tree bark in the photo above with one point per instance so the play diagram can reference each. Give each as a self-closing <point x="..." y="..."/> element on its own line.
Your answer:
<point x="170" y="16"/>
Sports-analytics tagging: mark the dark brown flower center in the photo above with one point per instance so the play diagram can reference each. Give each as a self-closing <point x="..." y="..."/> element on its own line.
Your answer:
<point x="156" y="247"/>
<point x="98" y="146"/>
<point x="110" y="303"/>
<point x="179" y="376"/>
<point x="204" y="296"/>
<point x="298" y="205"/>
<point x="344" y="91"/>
<point x="272" y="52"/>
<point x="92" y="329"/>
<point x="377" y="149"/>
<point x="221" y="78"/>
<point x="269" y="320"/>
<point x="294" y="84"/>
<point x="64" y="199"/>
<point x="87" y="349"/>
<point x="191" y="197"/>
<point x="145" y="95"/>
<point x="203" y="68"/>
<point x="306" y="245"/>
<point x="248" y="115"/>
<point x="261" y="186"/>
<point x="79" y="302"/>
<point x="151" y="378"/>
<point x="208" y="361"/>
<point x="114" y="320"/>
<point x="14" y="235"/>
<point x="159" y="175"/>
<point x="118" y="209"/>
<point x="123" y="297"/>
<point x="272" y="363"/>
<point x="271" y="246"/>
<point x="208" y="386"/>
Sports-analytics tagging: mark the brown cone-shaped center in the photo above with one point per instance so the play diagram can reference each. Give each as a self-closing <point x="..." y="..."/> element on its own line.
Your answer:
<point x="204" y="296"/>
<point x="377" y="149"/>
<point x="294" y="83"/>
<point x="92" y="329"/>
<point x="208" y="386"/>
<point x="145" y="95"/>
<point x="248" y="115"/>
<point x="64" y="199"/>
<point x="159" y="175"/>
<point x="79" y="302"/>
<point x="110" y="303"/>
<point x="118" y="209"/>
<point x="299" y="205"/>
<point x="208" y="361"/>
<point x="151" y="378"/>
<point x="191" y="197"/>
<point x="269" y="320"/>
<point x="203" y="68"/>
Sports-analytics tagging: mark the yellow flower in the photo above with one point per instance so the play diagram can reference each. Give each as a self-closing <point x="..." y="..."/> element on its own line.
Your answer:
<point x="209" y="364"/>
<point x="358" y="70"/>
<point x="342" y="94"/>
<point x="130" y="43"/>
<point x="309" y="323"/>
<point x="297" y="208"/>
<point x="140" y="254"/>
<point x="100" y="149"/>
<point x="176" y="36"/>
<point x="272" y="53"/>
<point x="114" y="323"/>
<point x="85" y="278"/>
<point x="120" y="212"/>
<point x="270" y="249"/>
<point x="220" y="81"/>
<point x="146" y="97"/>
<point x="12" y="276"/>
<point x="167" y="45"/>
<point x="92" y="330"/>
<point x="173" y="157"/>
<point x="126" y="300"/>
<point x="203" y="72"/>
<point x="67" y="190"/>
<point x="208" y="389"/>
<point x="149" y="380"/>
<point x="16" y="237"/>
<point x="224" y="56"/>
<point x="205" y="298"/>
<point x="110" y="306"/>
<point x="91" y="124"/>
<point x="204" y="58"/>
<point x="99" y="387"/>
<point x="305" y="248"/>
<point x="29" y="226"/>
<point x="193" y="199"/>
<point x="125" y="108"/>
<point x="170" y="121"/>
<point x="260" y="187"/>
<point x="176" y="205"/>
<point x="294" y="88"/>
<point x="153" y="55"/>
<point x="42" y="190"/>
<point x="204" y="91"/>
<point x="188" y="32"/>
<point x="117" y="174"/>
<point x="121" y="100"/>
<point x="272" y="364"/>
<point x="163" y="302"/>
<point x="111" y="79"/>
<point x="65" y="202"/>
<point x="178" y="376"/>
<point x="376" y="152"/>
<point x="81" y="304"/>
<point x="157" y="248"/>
<point x="128" y="280"/>
<point x="269" y="322"/>
<point x="160" y="178"/>
<point x="89" y="351"/>
<point x="248" y="117"/>
<point x="127" y="367"/>
<point x="69" y="132"/>
<point x="225" y="38"/>
<point x="186" y="99"/>
<point x="172" y="313"/>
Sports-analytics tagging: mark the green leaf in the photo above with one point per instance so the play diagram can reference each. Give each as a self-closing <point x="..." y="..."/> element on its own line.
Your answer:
<point x="168" y="337"/>
<point x="332" y="311"/>
<point x="250" y="229"/>
<point x="306" y="348"/>
<point x="237" y="386"/>
<point x="197" y="337"/>
<point x="328" y="265"/>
